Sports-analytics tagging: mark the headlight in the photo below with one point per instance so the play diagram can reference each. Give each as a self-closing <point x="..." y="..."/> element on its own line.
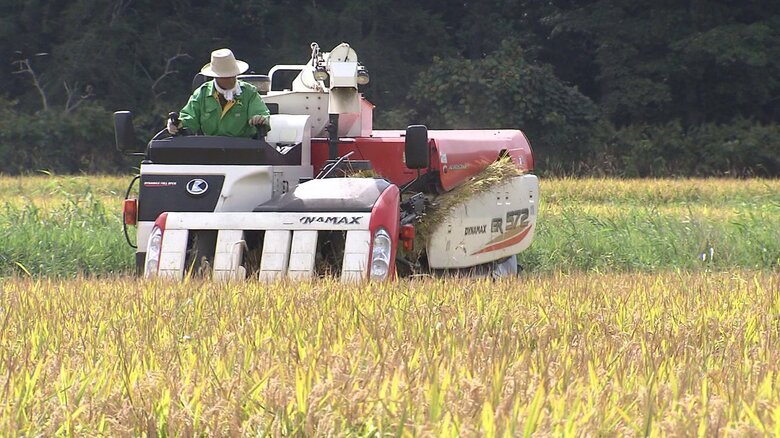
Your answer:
<point x="362" y="75"/>
<point x="320" y="73"/>
<point x="380" y="254"/>
<point x="153" y="252"/>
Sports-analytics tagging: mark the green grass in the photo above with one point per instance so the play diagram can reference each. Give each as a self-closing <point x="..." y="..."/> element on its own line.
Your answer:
<point x="83" y="238"/>
<point x="598" y="225"/>
<point x="65" y="226"/>
<point x="62" y="226"/>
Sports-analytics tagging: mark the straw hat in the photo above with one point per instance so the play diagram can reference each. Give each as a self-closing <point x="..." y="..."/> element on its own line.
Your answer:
<point x="223" y="65"/>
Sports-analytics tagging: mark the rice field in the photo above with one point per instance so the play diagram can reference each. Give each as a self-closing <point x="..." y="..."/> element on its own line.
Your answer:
<point x="646" y="308"/>
<point x="71" y="225"/>
<point x="552" y="355"/>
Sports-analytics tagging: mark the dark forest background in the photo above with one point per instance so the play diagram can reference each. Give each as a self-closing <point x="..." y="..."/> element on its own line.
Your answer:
<point x="605" y="87"/>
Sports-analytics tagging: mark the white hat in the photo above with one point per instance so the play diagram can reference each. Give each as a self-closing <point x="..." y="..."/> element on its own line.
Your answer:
<point x="224" y="65"/>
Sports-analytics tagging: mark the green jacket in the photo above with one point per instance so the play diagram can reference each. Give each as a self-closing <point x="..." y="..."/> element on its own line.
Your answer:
<point x="203" y="112"/>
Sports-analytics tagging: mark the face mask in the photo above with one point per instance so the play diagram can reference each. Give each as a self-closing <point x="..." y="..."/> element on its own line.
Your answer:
<point x="228" y="94"/>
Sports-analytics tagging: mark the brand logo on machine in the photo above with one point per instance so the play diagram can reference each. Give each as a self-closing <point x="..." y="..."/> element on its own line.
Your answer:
<point x="197" y="186"/>
<point x="479" y="229"/>
<point x="334" y="220"/>
<point x="517" y="228"/>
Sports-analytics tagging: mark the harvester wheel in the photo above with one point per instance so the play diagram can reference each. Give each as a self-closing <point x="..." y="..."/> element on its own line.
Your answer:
<point x="505" y="268"/>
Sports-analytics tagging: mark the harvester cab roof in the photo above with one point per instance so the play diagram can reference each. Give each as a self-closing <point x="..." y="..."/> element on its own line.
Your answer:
<point x="324" y="193"/>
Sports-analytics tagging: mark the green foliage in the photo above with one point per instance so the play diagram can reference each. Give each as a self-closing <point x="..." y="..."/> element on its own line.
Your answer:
<point x="81" y="140"/>
<point x="640" y="63"/>
<point x="742" y="148"/>
<point x="506" y="90"/>
<point x="603" y="225"/>
<point x="660" y="62"/>
<point x="642" y="238"/>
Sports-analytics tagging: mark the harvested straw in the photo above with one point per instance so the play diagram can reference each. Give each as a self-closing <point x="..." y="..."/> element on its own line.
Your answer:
<point x="494" y="174"/>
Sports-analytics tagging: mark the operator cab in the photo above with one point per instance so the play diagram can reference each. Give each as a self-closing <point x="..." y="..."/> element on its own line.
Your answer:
<point x="288" y="144"/>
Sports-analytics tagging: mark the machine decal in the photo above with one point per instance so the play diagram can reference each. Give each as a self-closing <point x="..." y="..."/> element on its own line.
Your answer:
<point x="516" y="219"/>
<point x="335" y="220"/>
<point x="160" y="193"/>
<point x="479" y="229"/>
<point x="497" y="225"/>
<point x="516" y="236"/>
<point x="197" y="186"/>
<point x="159" y="183"/>
<point x="517" y="227"/>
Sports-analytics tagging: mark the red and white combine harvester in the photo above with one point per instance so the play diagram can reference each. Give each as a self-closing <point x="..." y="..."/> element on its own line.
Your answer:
<point x="323" y="193"/>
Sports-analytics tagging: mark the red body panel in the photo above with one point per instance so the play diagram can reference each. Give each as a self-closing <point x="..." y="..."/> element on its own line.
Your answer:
<point x="161" y="220"/>
<point x="386" y="214"/>
<point x="384" y="153"/>
<point x="457" y="155"/>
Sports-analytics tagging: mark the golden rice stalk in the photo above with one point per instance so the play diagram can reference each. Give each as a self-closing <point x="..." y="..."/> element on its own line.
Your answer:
<point x="365" y="173"/>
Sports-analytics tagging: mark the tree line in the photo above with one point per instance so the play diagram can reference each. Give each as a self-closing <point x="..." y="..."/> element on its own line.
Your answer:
<point x="601" y="87"/>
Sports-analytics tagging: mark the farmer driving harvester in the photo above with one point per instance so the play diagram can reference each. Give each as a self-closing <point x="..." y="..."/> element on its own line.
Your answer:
<point x="234" y="208"/>
<point x="224" y="106"/>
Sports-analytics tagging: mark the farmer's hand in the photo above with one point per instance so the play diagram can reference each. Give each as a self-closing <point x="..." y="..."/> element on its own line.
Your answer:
<point x="172" y="128"/>
<point x="257" y="120"/>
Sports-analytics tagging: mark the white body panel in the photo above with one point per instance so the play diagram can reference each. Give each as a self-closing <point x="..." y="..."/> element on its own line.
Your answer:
<point x="267" y="221"/>
<point x="289" y="130"/>
<point x="312" y="103"/>
<point x="173" y="253"/>
<point x="356" y="248"/>
<point x="304" y="247"/>
<point x="491" y="226"/>
<point x="356" y="120"/>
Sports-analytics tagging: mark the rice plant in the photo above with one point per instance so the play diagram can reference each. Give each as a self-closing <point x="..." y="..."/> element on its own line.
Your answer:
<point x="548" y="355"/>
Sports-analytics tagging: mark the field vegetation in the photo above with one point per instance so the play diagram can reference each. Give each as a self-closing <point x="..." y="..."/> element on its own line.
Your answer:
<point x="57" y="225"/>
<point x="647" y="307"/>
<point x="609" y="224"/>
<point x="679" y="354"/>
<point x="62" y="226"/>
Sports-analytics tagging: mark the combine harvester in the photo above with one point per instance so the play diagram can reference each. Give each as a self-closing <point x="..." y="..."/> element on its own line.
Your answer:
<point x="323" y="193"/>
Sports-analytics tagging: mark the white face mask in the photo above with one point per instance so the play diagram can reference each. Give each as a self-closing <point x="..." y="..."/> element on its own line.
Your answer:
<point x="229" y="94"/>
